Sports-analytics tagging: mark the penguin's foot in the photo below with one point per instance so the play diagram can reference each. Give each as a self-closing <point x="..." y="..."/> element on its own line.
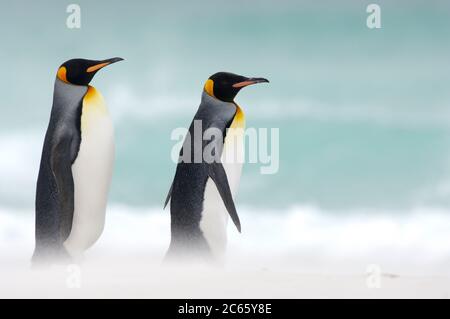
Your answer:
<point x="47" y="257"/>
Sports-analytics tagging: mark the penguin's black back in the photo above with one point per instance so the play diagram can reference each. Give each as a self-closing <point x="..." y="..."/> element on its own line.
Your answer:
<point x="55" y="205"/>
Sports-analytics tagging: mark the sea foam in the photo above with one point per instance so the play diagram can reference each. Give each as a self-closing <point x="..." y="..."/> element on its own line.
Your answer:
<point x="302" y="237"/>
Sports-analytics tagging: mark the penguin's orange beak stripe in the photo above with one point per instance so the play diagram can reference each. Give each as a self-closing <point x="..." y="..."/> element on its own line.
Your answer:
<point x="243" y="84"/>
<point x="97" y="67"/>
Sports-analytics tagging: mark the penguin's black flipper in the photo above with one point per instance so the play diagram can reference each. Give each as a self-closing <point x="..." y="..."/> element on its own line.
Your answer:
<point x="219" y="176"/>
<point x="61" y="166"/>
<point x="168" y="196"/>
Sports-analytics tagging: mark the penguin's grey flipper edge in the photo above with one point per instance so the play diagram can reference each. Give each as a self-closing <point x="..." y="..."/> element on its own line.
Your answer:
<point x="61" y="166"/>
<point x="219" y="176"/>
<point x="168" y="196"/>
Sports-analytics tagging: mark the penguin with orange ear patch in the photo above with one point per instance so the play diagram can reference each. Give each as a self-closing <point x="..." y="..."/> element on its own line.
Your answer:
<point x="202" y="192"/>
<point x="76" y="165"/>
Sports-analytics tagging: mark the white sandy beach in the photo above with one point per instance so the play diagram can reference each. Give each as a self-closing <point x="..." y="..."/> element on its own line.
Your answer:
<point x="301" y="254"/>
<point x="138" y="279"/>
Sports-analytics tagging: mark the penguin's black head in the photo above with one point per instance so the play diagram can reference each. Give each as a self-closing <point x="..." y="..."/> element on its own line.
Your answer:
<point x="81" y="71"/>
<point x="225" y="86"/>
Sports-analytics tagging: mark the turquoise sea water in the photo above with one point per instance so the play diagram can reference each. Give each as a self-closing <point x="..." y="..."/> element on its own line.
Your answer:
<point x="364" y="115"/>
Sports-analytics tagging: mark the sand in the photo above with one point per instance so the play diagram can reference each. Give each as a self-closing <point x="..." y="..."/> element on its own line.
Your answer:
<point x="292" y="256"/>
<point x="145" y="277"/>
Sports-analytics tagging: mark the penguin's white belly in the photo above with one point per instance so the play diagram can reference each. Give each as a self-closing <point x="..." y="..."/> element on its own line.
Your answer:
<point x="214" y="220"/>
<point x="92" y="171"/>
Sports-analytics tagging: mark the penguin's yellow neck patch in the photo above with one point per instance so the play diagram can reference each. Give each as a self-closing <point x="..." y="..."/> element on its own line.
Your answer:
<point x="209" y="87"/>
<point x="234" y="140"/>
<point x="93" y="107"/>
<point x="62" y="74"/>
<point x="239" y="118"/>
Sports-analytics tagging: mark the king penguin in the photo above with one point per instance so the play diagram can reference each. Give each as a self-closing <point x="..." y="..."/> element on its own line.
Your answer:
<point x="202" y="192"/>
<point x="76" y="165"/>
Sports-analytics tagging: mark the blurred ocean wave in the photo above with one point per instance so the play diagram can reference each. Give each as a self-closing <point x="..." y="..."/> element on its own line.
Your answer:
<point x="363" y="114"/>
<point x="302" y="236"/>
<point x="337" y="163"/>
<point x="126" y="105"/>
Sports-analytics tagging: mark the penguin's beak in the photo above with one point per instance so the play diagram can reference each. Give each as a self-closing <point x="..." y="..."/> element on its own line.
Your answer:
<point x="102" y="64"/>
<point x="250" y="81"/>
